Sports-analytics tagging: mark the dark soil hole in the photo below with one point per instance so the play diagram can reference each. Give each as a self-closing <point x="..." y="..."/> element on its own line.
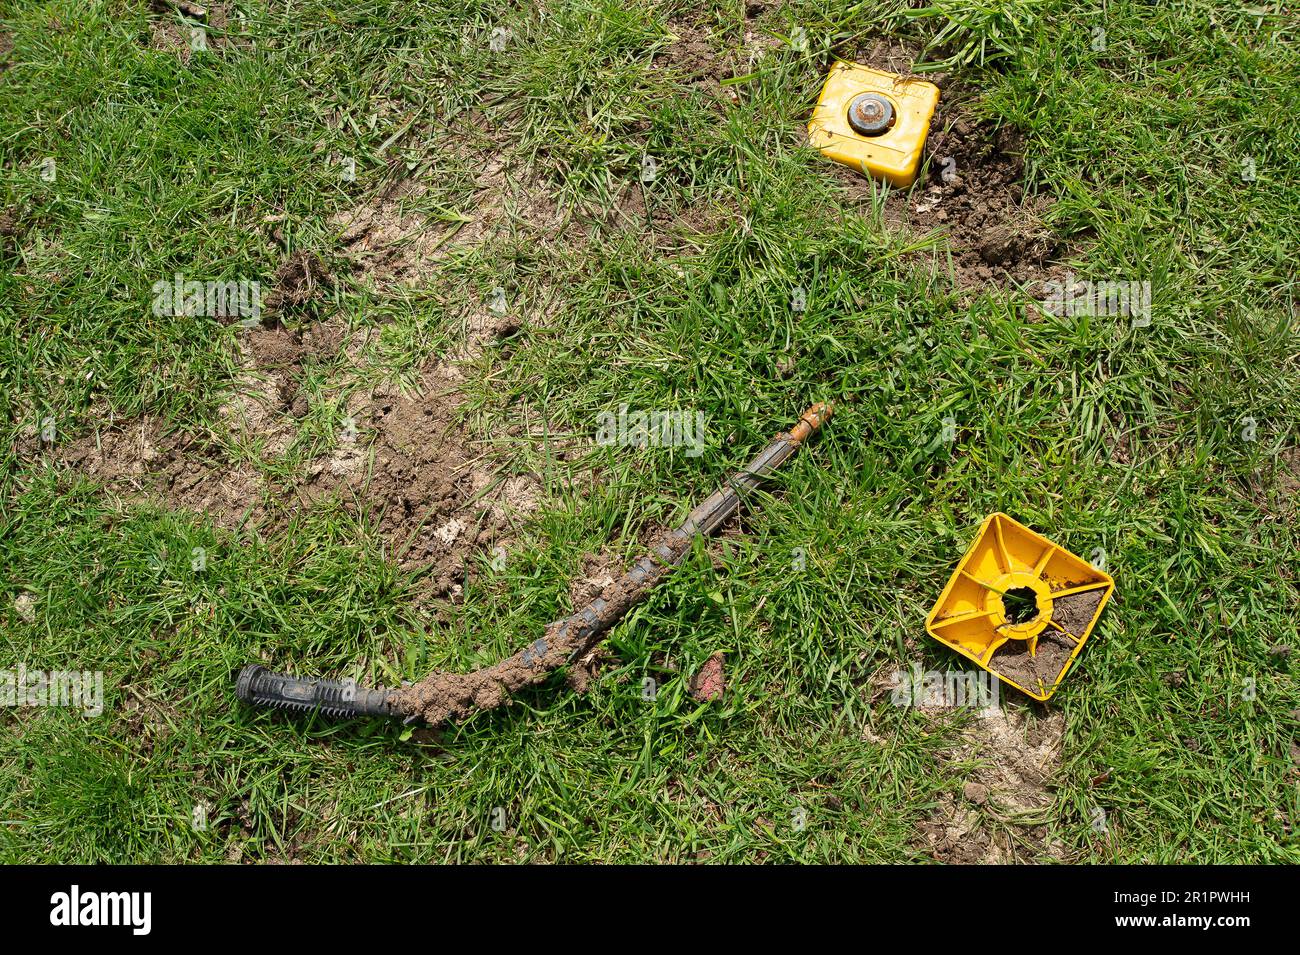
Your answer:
<point x="1021" y="604"/>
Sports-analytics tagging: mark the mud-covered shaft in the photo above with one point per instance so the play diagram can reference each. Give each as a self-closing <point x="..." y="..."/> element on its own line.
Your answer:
<point x="704" y="519"/>
<point x="576" y="632"/>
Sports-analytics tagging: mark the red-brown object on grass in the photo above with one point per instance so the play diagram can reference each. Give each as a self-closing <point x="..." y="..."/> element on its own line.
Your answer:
<point x="710" y="680"/>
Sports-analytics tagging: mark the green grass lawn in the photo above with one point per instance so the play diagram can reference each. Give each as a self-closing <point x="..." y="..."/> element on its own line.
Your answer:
<point x="1159" y="139"/>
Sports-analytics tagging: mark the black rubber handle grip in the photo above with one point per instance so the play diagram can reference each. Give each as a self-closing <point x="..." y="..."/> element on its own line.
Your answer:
<point x="338" y="699"/>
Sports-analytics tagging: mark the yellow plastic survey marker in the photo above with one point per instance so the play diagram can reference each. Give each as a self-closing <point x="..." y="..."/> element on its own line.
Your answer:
<point x="1020" y="606"/>
<point x="873" y="121"/>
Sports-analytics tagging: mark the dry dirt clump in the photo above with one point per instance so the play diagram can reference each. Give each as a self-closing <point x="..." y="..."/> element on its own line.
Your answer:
<point x="1003" y="812"/>
<point x="298" y="281"/>
<point x="710" y="681"/>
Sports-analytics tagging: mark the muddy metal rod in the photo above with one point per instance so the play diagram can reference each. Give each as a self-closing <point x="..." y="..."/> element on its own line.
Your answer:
<point x="447" y="696"/>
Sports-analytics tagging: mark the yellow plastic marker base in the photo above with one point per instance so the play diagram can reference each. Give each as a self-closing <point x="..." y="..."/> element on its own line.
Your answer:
<point x="1020" y="606"/>
<point x="893" y="155"/>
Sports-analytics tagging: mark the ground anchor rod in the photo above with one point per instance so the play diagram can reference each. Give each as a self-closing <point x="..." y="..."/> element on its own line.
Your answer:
<point x="442" y="697"/>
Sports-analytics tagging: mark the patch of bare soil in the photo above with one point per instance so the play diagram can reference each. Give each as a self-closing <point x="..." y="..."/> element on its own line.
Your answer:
<point x="169" y="34"/>
<point x="268" y="395"/>
<point x="434" y="493"/>
<point x="692" y="53"/>
<point x="695" y="53"/>
<point x="10" y="230"/>
<point x="143" y="458"/>
<point x="662" y="223"/>
<point x="893" y="56"/>
<point x="1286" y="481"/>
<point x="1001" y="815"/>
<point x="389" y="243"/>
<point x="404" y="462"/>
<point x="996" y="232"/>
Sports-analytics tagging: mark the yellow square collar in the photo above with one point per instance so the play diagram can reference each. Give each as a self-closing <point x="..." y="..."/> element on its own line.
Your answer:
<point x="1020" y="606"/>
<point x="893" y="155"/>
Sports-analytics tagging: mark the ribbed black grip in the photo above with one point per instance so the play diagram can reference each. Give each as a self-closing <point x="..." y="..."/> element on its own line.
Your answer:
<point x="258" y="686"/>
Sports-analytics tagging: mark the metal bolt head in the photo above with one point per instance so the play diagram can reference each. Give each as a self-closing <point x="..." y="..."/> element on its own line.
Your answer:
<point x="870" y="114"/>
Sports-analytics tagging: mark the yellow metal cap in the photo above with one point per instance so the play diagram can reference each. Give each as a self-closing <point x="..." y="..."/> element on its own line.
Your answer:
<point x="1020" y="606"/>
<point x="892" y="155"/>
